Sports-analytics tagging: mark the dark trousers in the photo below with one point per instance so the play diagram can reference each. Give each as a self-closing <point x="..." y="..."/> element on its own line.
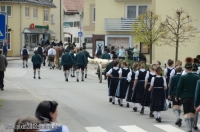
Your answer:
<point x="1" y="79"/>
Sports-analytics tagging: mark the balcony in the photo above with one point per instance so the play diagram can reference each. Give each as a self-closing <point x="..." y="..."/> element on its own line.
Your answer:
<point x="118" y="24"/>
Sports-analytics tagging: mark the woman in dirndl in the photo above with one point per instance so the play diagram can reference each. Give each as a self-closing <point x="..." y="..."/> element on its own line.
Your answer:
<point x="123" y="83"/>
<point x="138" y="87"/>
<point x="147" y="94"/>
<point x="131" y="79"/>
<point x="158" y="99"/>
<point x="113" y="73"/>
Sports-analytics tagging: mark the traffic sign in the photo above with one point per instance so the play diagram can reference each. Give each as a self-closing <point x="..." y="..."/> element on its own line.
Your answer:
<point x="80" y="34"/>
<point x="2" y="27"/>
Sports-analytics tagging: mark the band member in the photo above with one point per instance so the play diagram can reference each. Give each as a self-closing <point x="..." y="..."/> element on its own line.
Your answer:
<point x="72" y="69"/>
<point x="40" y="51"/>
<point x="167" y="72"/>
<point x="105" y="55"/>
<point x="51" y="56"/>
<point x="113" y="73"/>
<point x="123" y="83"/>
<point x="172" y="93"/>
<point x="36" y="60"/>
<point x="147" y="94"/>
<point x="186" y="91"/>
<point x="108" y="67"/>
<point x="138" y="86"/>
<point x="197" y="104"/>
<point x="66" y="62"/>
<point x="158" y="99"/>
<point x="87" y="55"/>
<point x="80" y="60"/>
<point x="25" y="56"/>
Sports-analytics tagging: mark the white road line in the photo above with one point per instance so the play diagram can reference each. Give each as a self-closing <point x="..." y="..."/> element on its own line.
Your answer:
<point x="169" y="128"/>
<point x="95" y="129"/>
<point x="132" y="128"/>
<point x="12" y="84"/>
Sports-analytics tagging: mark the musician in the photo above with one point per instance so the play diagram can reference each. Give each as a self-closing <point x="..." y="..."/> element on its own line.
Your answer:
<point x="51" y="56"/>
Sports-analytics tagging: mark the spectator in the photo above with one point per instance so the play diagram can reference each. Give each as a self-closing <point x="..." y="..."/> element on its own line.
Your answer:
<point x="5" y="48"/>
<point x="3" y="65"/>
<point x="47" y="112"/>
<point x="122" y="53"/>
<point x="158" y="64"/>
<point x="26" y="121"/>
<point x="136" y="53"/>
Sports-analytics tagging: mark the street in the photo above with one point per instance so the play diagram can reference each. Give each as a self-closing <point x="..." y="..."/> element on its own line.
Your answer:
<point x="82" y="106"/>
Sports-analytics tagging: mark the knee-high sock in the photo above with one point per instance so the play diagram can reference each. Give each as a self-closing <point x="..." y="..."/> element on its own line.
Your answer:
<point x="187" y="122"/>
<point x="113" y="98"/>
<point x="26" y="62"/>
<point x="134" y="105"/>
<point x="176" y="112"/>
<point x="67" y="75"/>
<point x="82" y="74"/>
<point x="71" y="71"/>
<point x="77" y="73"/>
<point x="121" y="101"/>
<point x="38" y="73"/>
<point x="158" y="114"/>
<point x="34" y="72"/>
<point x="191" y="121"/>
<point x="85" y="71"/>
<point x="196" y="117"/>
<point x="23" y="63"/>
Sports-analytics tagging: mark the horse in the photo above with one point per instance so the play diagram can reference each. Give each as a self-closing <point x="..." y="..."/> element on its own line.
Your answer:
<point x="59" y="51"/>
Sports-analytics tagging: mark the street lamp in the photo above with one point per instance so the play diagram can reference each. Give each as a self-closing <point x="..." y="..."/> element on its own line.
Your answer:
<point x="81" y="15"/>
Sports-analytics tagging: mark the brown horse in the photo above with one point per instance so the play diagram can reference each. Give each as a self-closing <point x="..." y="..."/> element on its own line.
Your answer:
<point x="59" y="51"/>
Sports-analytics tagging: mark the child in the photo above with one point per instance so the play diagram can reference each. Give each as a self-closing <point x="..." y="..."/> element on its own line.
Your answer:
<point x="36" y="60"/>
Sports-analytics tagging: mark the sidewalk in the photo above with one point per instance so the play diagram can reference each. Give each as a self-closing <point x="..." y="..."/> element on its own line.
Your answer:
<point x="13" y="58"/>
<point x="16" y="103"/>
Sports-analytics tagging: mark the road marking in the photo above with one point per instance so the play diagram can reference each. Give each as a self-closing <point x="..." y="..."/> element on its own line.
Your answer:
<point x="132" y="128"/>
<point x="95" y="129"/>
<point x="12" y="84"/>
<point x="169" y="128"/>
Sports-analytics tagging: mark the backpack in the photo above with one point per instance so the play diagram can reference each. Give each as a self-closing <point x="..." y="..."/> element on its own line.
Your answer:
<point x="39" y="50"/>
<point x="25" y="52"/>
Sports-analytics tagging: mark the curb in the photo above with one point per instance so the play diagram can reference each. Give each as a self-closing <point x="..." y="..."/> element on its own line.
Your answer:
<point x="13" y="59"/>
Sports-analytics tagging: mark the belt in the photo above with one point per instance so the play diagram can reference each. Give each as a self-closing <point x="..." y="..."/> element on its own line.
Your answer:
<point x="141" y="81"/>
<point x="157" y="87"/>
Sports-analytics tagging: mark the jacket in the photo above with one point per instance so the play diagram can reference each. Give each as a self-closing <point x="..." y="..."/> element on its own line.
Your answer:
<point x="105" y="56"/>
<point x="3" y="63"/>
<point x="80" y="59"/>
<point x="66" y="59"/>
<point x="187" y="86"/>
<point x="72" y="55"/>
<point x="173" y="84"/>
<point x="87" y="55"/>
<point x="36" y="59"/>
<point x="197" y="95"/>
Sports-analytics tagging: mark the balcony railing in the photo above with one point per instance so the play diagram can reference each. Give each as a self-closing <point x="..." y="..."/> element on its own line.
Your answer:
<point x="118" y="24"/>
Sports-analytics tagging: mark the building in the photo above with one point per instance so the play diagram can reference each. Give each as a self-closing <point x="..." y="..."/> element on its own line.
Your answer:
<point x="56" y="20"/>
<point x="109" y="23"/>
<point x="73" y="22"/>
<point x="28" y="21"/>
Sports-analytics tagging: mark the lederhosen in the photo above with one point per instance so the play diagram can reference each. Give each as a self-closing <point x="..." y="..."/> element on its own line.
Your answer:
<point x="147" y="94"/>
<point x="129" y="91"/>
<point x="113" y="82"/>
<point x="51" y="56"/>
<point x="122" y="85"/>
<point x="158" y="99"/>
<point x="139" y="88"/>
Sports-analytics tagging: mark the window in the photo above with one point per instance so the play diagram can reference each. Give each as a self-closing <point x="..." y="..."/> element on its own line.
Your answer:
<point x="75" y="24"/>
<point x="76" y="39"/>
<point x="78" y="23"/>
<point x="7" y="9"/>
<point x="9" y="42"/>
<point x="71" y="24"/>
<point x="46" y="15"/>
<point x="88" y="40"/>
<point x="93" y="14"/>
<point x="52" y="18"/>
<point x="133" y="11"/>
<point x="27" y="12"/>
<point x="35" y="13"/>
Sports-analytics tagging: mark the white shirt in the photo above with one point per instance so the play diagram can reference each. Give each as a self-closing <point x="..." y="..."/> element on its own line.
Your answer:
<point x="47" y="127"/>
<point x="129" y="76"/>
<point x="172" y="73"/>
<point x="184" y="72"/>
<point x="137" y="73"/>
<point x="120" y="70"/>
<point x="23" y="49"/>
<point x="51" y="51"/>
<point x="41" y="47"/>
<point x="110" y="71"/>
<point x="147" y="75"/>
<point x="165" y="71"/>
<point x="153" y="78"/>
<point x="111" y="55"/>
<point x="198" y="72"/>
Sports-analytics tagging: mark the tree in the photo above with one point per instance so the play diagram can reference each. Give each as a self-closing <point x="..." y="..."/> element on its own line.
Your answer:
<point x="180" y="29"/>
<point x="148" y="29"/>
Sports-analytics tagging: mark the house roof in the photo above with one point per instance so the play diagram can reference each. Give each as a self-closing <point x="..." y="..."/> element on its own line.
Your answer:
<point x="73" y="5"/>
<point x="47" y="3"/>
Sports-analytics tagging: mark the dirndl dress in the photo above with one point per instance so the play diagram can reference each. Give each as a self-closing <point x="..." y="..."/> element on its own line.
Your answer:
<point x="113" y="82"/>
<point x="158" y="101"/>
<point x="139" y="88"/>
<point x="167" y="80"/>
<point x="129" y="91"/>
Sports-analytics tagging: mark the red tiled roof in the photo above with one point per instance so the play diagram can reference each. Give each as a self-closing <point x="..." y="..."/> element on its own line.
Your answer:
<point x="73" y="5"/>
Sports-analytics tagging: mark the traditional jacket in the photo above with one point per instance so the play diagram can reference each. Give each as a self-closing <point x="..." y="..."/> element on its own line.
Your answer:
<point x="80" y="59"/>
<point x="105" y="56"/>
<point x="197" y="95"/>
<point x="173" y="84"/>
<point x="87" y="55"/>
<point x="66" y="59"/>
<point x="36" y="59"/>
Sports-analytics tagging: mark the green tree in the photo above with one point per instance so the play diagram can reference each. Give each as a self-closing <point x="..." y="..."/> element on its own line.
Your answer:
<point x="180" y="29"/>
<point x="148" y="29"/>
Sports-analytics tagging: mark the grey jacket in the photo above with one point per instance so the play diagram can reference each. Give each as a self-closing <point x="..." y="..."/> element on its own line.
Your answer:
<point x="3" y="63"/>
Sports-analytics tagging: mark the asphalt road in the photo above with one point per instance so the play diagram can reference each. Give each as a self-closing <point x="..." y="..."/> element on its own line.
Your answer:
<point x="83" y="106"/>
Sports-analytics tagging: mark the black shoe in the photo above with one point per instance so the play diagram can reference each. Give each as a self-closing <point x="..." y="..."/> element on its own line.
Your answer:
<point x="135" y="109"/>
<point x="85" y="75"/>
<point x="39" y="78"/>
<point x="142" y="111"/>
<point x="82" y="80"/>
<point x="196" y="128"/>
<point x="96" y="73"/>
<point x="127" y="105"/>
<point x="66" y="80"/>
<point x="170" y="105"/>
<point x="34" y="77"/>
<point x="2" y="89"/>
<point x="110" y="99"/>
<point x="50" y="68"/>
<point x="105" y="78"/>
<point x="178" y="122"/>
<point x="158" y="119"/>
<point x="77" y="80"/>
<point x="121" y="105"/>
<point x="118" y="102"/>
<point x="113" y="103"/>
<point x="71" y="75"/>
<point x="26" y="66"/>
<point x="23" y="66"/>
<point x="53" y="67"/>
<point x="151" y="114"/>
